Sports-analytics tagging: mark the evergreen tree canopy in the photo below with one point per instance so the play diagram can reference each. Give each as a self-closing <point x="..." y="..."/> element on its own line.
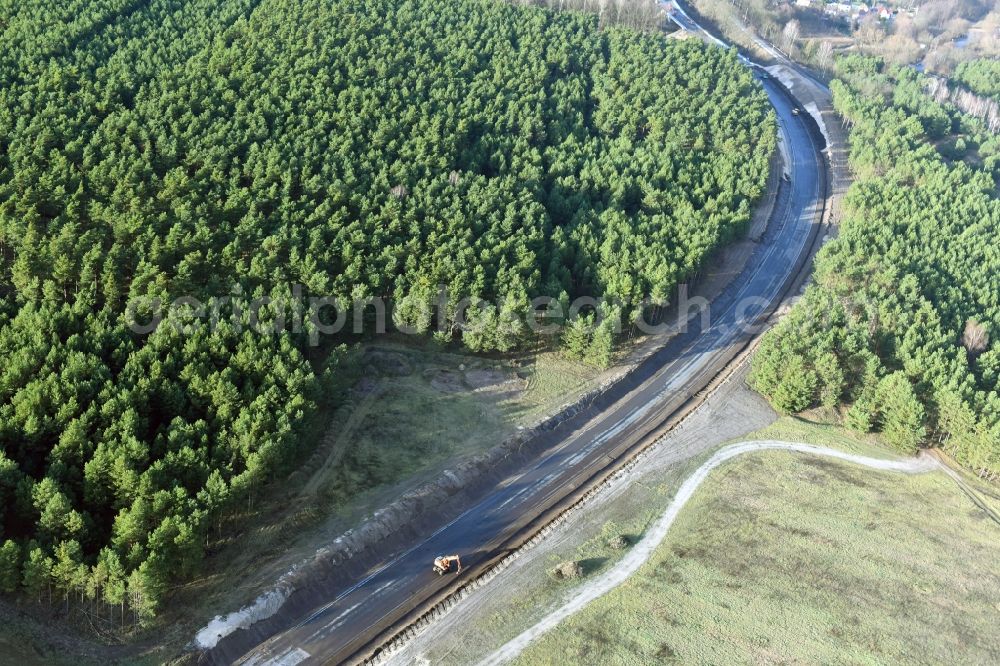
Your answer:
<point x="193" y="148"/>
<point x="902" y="320"/>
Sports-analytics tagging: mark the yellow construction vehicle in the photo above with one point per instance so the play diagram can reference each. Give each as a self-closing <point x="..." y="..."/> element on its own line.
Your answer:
<point x="442" y="564"/>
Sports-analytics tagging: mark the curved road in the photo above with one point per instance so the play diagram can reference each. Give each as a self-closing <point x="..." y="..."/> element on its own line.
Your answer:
<point x="350" y="625"/>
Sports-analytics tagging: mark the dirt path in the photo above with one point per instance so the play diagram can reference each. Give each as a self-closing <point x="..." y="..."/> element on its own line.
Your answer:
<point x="644" y="548"/>
<point x="338" y="440"/>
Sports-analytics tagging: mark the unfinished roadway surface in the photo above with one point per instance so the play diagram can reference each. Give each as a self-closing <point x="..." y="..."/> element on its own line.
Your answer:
<point x="334" y="621"/>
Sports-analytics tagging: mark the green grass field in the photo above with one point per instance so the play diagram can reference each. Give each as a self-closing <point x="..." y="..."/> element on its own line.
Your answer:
<point x="782" y="558"/>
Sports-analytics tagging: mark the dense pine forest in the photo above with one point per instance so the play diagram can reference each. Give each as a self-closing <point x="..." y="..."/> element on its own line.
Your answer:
<point x="358" y="148"/>
<point x="980" y="76"/>
<point x="902" y="322"/>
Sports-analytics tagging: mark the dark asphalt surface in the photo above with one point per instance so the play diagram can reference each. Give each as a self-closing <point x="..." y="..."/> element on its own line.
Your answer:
<point x="343" y="628"/>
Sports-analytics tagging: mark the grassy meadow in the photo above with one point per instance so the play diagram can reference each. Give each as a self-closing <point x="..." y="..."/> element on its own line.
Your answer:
<point x="785" y="558"/>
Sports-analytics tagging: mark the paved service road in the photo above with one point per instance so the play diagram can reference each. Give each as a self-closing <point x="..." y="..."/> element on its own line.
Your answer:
<point x="344" y="628"/>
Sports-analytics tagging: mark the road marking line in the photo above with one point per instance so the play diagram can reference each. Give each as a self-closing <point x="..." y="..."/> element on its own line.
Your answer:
<point x="289" y="658"/>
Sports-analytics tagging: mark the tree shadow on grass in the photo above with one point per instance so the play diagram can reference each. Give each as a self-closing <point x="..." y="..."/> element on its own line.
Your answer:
<point x="592" y="564"/>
